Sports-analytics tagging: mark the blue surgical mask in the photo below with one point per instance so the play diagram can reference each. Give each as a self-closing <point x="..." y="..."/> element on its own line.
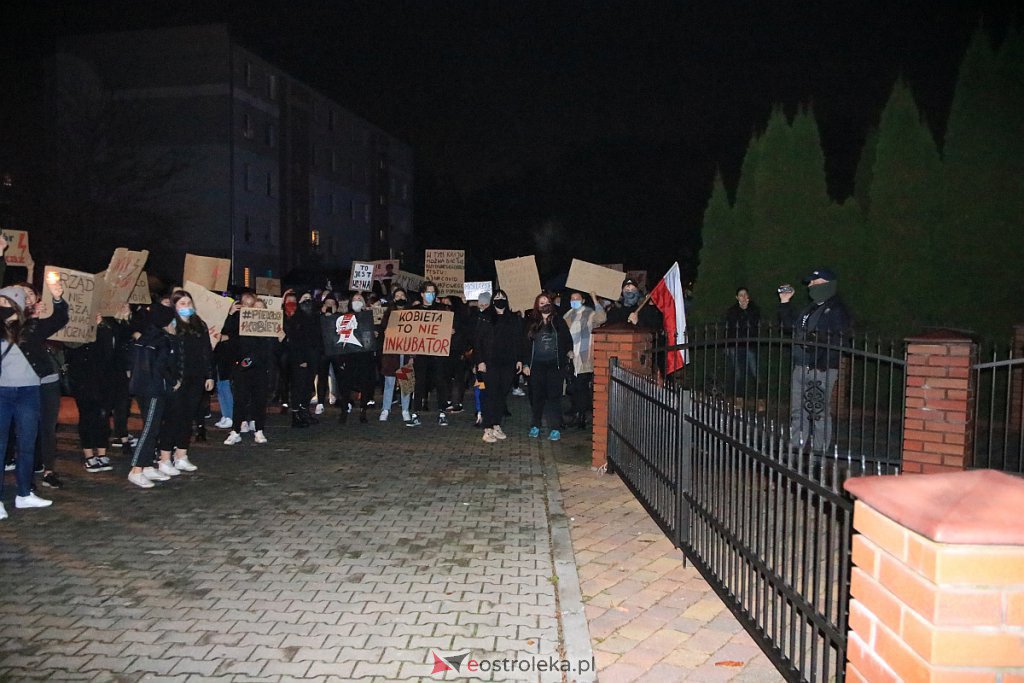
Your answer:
<point x="576" y="304"/>
<point x="428" y="297"/>
<point x="186" y="313"/>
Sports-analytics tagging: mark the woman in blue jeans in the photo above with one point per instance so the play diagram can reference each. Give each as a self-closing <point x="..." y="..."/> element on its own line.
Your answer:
<point x="20" y="403"/>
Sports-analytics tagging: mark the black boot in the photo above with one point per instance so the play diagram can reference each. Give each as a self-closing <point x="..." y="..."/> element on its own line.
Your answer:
<point x="362" y="415"/>
<point x="298" y="420"/>
<point x="581" y="420"/>
<point x="201" y="433"/>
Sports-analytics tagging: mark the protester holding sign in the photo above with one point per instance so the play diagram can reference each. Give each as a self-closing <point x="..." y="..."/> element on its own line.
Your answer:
<point x="497" y="357"/>
<point x="250" y="383"/>
<point x="391" y="365"/>
<point x="582" y="319"/>
<point x="356" y="337"/>
<point x="432" y="371"/>
<point x="225" y="355"/>
<point x="21" y="366"/>
<point x="329" y="368"/>
<point x="549" y="357"/>
<point x="196" y="359"/>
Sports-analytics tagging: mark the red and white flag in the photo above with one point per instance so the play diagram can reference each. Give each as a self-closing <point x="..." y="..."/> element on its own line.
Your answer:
<point x="668" y="297"/>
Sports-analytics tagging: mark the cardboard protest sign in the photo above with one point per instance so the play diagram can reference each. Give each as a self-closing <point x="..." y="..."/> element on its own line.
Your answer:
<point x="361" y="279"/>
<point x="115" y="285"/>
<point x="641" y="278"/>
<point x="410" y="282"/>
<point x="419" y="332"/>
<point x="385" y="270"/>
<point x="78" y="292"/>
<point x="268" y="285"/>
<point x="273" y="303"/>
<point x="520" y="280"/>
<point x="140" y="294"/>
<point x="473" y="290"/>
<point x="212" y="273"/>
<point x="447" y="269"/>
<point x="589" y="277"/>
<point x="378" y="313"/>
<point x="260" y="322"/>
<point x="212" y="308"/>
<point x="17" y="253"/>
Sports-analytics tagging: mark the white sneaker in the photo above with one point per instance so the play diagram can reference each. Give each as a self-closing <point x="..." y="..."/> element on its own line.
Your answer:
<point x="140" y="480"/>
<point x="252" y="425"/>
<point x="498" y="433"/>
<point x="489" y="436"/>
<point x="518" y="392"/>
<point x="3" y="511"/>
<point x="167" y="468"/>
<point x="384" y="415"/>
<point x="233" y="438"/>
<point x="260" y="438"/>
<point x="153" y="474"/>
<point x="31" y="501"/>
<point x="224" y="423"/>
<point x="244" y="429"/>
<point x="184" y="465"/>
<point x="319" y="409"/>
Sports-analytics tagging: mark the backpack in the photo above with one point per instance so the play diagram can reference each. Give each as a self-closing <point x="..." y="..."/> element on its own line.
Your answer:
<point x="146" y="379"/>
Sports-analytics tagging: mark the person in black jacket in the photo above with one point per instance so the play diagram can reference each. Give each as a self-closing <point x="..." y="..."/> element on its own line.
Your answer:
<point x="823" y="324"/>
<point x="547" y="358"/>
<point x="119" y="402"/>
<point x="432" y="371"/>
<point x="743" y="320"/>
<point x="497" y="357"/>
<point x="193" y="339"/>
<point x="250" y="384"/>
<point x="156" y="373"/>
<point x="630" y="308"/>
<point x="302" y="337"/>
<point x="92" y="369"/>
<point x="356" y="337"/>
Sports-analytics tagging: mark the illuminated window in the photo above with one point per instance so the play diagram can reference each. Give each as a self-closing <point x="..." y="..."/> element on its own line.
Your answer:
<point x="245" y="276"/>
<point x="314" y="238"/>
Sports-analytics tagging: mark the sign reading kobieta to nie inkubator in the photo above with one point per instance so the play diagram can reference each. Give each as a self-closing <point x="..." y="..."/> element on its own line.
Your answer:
<point x="419" y="332"/>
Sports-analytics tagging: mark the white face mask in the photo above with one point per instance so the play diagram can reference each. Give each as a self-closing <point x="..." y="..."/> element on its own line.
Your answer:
<point x="357" y="305"/>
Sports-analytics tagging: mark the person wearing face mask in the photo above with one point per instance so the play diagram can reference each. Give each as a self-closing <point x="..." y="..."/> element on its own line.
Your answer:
<point x="431" y="371"/>
<point x="630" y="308"/>
<point x="391" y="365"/>
<point x="550" y="348"/>
<point x="582" y="319"/>
<point x="497" y="357"/>
<point x="356" y="338"/>
<point x="282" y="377"/>
<point x="302" y="331"/>
<point x="329" y="367"/>
<point x="825" y="322"/>
<point x="250" y="379"/>
<point x="192" y="339"/>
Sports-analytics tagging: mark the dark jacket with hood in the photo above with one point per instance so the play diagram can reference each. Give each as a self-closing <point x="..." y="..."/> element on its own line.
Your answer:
<point x="164" y="351"/>
<point x="34" y="336"/>
<point x="825" y="323"/>
<point x="498" y="339"/>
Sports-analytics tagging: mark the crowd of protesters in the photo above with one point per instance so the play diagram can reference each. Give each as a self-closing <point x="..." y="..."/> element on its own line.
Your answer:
<point x="166" y="359"/>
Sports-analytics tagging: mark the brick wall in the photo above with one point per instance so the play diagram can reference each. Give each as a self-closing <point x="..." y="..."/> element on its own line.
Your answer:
<point x="938" y="583"/>
<point x="633" y="348"/>
<point x="938" y="425"/>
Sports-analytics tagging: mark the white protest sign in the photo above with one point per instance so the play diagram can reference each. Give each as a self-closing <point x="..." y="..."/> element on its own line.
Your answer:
<point x="520" y="280"/>
<point x="588" y="277"/>
<point x="345" y="327"/>
<point x="273" y="303"/>
<point x="447" y="269"/>
<point x="78" y="292"/>
<point x="18" y="253"/>
<point x="418" y="332"/>
<point x="473" y="290"/>
<point x="361" y="279"/>
<point x="260" y="322"/>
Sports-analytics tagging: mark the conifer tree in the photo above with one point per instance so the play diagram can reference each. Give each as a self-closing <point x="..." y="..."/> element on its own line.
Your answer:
<point x="720" y="269"/>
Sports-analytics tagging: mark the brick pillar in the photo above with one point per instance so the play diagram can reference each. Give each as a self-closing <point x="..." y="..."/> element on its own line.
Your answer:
<point x="938" y="425"/>
<point x="633" y="348"/>
<point x="938" y="579"/>
<point x="1017" y="378"/>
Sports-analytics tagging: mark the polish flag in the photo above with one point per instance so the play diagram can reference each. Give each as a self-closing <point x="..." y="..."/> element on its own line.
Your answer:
<point x="668" y="297"/>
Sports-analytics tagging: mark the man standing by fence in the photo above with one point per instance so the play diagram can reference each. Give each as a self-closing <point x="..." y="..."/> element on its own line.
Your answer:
<point x="822" y="325"/>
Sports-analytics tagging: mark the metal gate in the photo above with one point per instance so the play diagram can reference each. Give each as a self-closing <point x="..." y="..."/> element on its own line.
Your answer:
<point x="765" y="521"/>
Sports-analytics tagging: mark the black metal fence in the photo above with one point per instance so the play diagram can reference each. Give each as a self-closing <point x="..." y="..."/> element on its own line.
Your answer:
<point x="999" y="410"/>
<point x="761" y="514"/>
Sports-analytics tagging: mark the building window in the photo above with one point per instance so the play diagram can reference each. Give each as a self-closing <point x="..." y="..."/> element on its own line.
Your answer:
<point x="352" y="208"/>
<point x="334" y="161"/>
<point x="248" y="74"/>
<point x="248" y="229"/>
<point x="382" y="234"/>
<point x="382" y="200"/>
<point x="270" y="135"/>
<point x="366" y="212"/>
<point x="271" y="235"/>
<point x="247" y="129"/>
<point x="334" y="204"/>
<point x="272" y="86"/>
<point x="270" y="184"/>
<point x="312" y="155"/>
<point x="405" y="191"/>
<point x="314" y="238"/>
<point x="246" y="175"/>
<point x="331" y="119"/>
<point x="312" y="196"/>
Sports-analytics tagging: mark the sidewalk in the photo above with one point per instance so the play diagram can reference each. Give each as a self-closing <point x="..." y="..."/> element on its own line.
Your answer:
<point x="351" y="552"/>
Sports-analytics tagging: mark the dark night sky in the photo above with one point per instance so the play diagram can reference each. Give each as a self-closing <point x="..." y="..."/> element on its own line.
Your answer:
<point x="488" y="92"/>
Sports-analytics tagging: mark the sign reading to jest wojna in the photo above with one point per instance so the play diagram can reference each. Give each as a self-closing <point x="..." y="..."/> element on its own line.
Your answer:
<point x="419" y="332"/>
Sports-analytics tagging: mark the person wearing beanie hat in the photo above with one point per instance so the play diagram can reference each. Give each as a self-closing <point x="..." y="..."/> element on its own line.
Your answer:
<point x="21" y="343"/>
<point x="631" y="310"/>
<point x="156" y="373"/>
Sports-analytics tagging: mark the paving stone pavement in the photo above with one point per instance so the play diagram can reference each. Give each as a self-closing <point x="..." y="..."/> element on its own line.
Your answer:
<point x="347" y="552"/>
